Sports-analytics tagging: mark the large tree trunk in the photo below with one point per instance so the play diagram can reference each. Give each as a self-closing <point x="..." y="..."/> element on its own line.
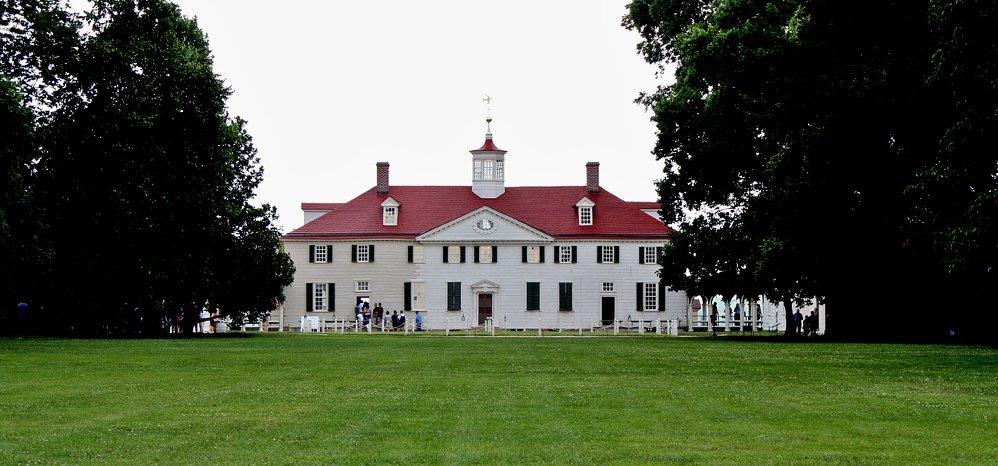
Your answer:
<point x="788" y="312"/>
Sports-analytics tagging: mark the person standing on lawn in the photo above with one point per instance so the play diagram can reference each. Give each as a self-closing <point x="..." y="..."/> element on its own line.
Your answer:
<point x="419" y="322"/>
<point x="713" y="318"/>
<point x="379" y="312"/>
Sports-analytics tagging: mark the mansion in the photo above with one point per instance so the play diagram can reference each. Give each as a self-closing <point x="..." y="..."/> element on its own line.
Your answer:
<point x="527" y="257"/>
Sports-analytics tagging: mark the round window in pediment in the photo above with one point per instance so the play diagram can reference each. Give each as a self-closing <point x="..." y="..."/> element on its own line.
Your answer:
<point x="485" y="225"/>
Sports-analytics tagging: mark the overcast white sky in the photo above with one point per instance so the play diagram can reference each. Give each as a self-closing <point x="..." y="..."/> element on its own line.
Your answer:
<point x="331" y="87"/>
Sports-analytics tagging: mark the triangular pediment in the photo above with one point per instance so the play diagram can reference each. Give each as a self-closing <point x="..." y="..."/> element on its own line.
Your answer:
<point x="484" y="225"/>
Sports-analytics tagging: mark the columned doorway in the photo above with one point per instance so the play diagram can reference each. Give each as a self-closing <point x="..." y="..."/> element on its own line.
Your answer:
<point x="484" y="307"/>
<point x="487" y="302"/>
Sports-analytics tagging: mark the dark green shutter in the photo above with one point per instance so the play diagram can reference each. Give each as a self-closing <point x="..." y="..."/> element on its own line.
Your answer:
<point x="329" y="253"/>
<point x="370" y="253"/>
<point x="564" y="296"/>
<point x="533" y="296"/>
<point x="475" y="249"/>
<point x="575" y="254"/>
<point x="311" y="253"/>
<point x="409" y="254"/>
<point x="641" y="255"/>
<point x="353" y="253"/>
<point x="331" y="299"/>
<point x="453" y="296"/>
<point x="661" y="296"/>
<point x="495" y="254"/>
<point x="446" y="254"/>
<point x="308" y="297"/>
<point x="462" y="254"/>
<point x="641" y="296"/>
<point x="542" y="254"/>
<point x="599" y="254"/>
<point x="557" y="255"/>
<point x="616" y="254"/>
<point x="524" y="251"/>
<point x="407" y="296"/>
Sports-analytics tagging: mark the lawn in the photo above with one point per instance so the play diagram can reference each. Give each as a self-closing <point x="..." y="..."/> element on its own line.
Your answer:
<point x="433" y="399"/>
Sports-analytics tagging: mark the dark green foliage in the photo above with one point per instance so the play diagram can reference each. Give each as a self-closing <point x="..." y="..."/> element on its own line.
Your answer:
<point x="146" y="181"/>
<point x="829" y="149"/>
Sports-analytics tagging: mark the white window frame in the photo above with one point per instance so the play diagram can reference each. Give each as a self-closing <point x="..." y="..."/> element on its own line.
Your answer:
<point x="651" y="255"/>
<point x="484" y="254"/>
<point x="363" y="286"/>
<point x="418" y="254"/>
<point x="419" y="296"/>
<point x="390" y="215"/>
<point x="585" y="215"/>
<point x="454" y="254"/>
<point x="363" y="253"/>
<point x="477" y="171"/>
<point x="488" y="169"/>
<point x="565" y="254"/>
<point x="608" y="255"/>
<point x="607" y="287"/>
<point x="499" y="170"/>
<point x="319" y="297"/>
<point x="651" y="297"/>
<point x="533" y="254"/>
<point x="321" y="255"/>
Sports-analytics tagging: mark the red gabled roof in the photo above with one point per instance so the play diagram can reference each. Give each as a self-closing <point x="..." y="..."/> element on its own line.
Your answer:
<point x="646" y="205"/>
<point x="548" y="209"/>
<point x="320" y="205"/>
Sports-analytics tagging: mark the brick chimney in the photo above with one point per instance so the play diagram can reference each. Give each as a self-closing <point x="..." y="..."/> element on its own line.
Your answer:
<point x="592" y="177"/>
<point x="382" y="177"/>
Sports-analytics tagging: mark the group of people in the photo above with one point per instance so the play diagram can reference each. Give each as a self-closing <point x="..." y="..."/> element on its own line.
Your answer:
<point x="378" y="315"/>
<point x="808" y="325"/>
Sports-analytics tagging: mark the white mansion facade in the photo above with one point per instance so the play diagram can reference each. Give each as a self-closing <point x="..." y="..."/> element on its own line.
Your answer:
<point x="527" y="257"/>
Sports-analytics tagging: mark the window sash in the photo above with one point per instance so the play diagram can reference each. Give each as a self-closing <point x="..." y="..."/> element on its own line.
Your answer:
<point x="453" y="296"/>
<point x="418" y="254"/>
<point x="390" y="216"/>
<point x="533" y="296"/>
<point x="478" y="169"/>
<point x="585" y="215"/>
<point x="320" y="254"/>
<point x="608" y="255"/>
<point x="454" y="254"/>
<point x="608" y="287"/>
<point x="363" y="285"/>
<point x="488" y="170"/>
<point x="651" y="297"/>
<point x="499" y="171"/>
<point x="564" y="296"/>
<point x="319" y="297"/>
<point x="651" y="255"/>
<point x="565" y="254"/>
<point x="363" y="254"/>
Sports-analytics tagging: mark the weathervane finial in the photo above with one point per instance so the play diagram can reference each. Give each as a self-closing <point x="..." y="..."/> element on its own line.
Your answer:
<point x="488" y="114"/>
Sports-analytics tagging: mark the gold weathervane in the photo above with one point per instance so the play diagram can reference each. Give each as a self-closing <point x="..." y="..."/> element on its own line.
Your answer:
<point x="488" y="112"/>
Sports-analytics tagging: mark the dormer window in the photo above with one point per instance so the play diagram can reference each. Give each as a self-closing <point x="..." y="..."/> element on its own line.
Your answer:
<point x="585" y="209"/>
<point x="390" y="212"/>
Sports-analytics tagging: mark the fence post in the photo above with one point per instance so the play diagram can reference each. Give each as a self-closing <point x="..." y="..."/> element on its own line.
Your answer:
<point x="658" y="326"/>
<point x="641" y="327"/>
<point x="446" y="326"/>
<point x="616" y="327"/>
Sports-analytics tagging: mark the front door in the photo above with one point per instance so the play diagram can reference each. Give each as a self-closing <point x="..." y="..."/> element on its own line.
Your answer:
<point x="608" y="313"/>
<point x="484" y="307"/>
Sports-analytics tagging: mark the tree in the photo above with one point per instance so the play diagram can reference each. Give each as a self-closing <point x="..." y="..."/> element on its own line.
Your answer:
<point x="145" y="178"/>
<point x="840" y="138"/>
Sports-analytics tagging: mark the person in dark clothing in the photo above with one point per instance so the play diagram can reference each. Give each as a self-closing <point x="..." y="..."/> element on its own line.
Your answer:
<point x="395" y="320"/>
<point x="798" y="321"/>
<point x="713" y="319"/>
<point x="402" y="320"/>
<point x="378" y="313"/>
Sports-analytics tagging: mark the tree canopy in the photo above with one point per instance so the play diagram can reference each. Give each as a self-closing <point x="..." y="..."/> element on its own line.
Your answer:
<point x="144" y="179"/>
<point x="830" y="150"/>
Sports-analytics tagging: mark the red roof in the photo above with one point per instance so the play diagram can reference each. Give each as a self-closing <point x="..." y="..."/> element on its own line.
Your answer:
<point x="488" y="146"/>
<point x="548" y="209"/>
<point x="320" y="205"/>
<point x="646" y="205"/>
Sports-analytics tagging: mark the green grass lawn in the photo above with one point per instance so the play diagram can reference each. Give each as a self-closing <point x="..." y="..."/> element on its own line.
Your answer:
<point x="430" y="399"/>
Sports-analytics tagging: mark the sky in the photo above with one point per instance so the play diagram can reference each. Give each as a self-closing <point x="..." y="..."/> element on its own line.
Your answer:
<point x="329" y="88"/>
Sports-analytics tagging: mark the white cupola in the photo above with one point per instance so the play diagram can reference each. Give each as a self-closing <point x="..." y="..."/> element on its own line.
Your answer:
<point x="488" y="166"/>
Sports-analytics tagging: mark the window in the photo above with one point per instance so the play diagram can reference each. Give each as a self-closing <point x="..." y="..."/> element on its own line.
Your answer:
<point x="478" y="170"/>
<point x="418" y="254"/>
<point x="321" y="255"/>
<point x="565" y="254"/>
<point x="533" y="296"/>
<point x="454" y="254"/>
<point x="363" y="253"/>
<point x="533" y="254"/>
<point x="485" y="254"/>
<point x="499" y="173"/>
<point x="651" y="296"/>
<point x="319" y="297"/>
<point x="650" y="255"/>
<point x="564" y="296"/>
<point x="390" y="216"/>
<point x="363" y="286"/>
<point x="453" y="296"/>
<point x="607" y="254"/>
<point x="608" y="287"/>
<point x="585" y="215"/>
<point x="419" y="292"/>
<point x="488" y="171"/>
